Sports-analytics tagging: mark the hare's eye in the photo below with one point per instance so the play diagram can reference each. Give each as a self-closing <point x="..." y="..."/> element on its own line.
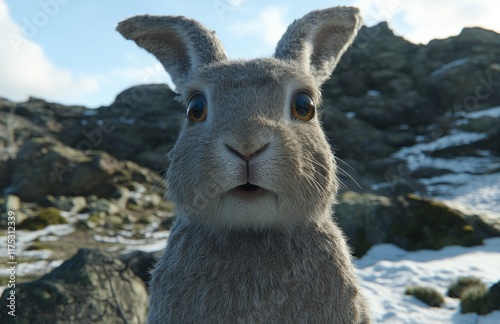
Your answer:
<point x="302" y="107"/>
<point x="197" y="108"/>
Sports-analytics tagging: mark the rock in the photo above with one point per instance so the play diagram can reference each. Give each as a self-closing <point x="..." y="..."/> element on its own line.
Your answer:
<point x="491" y="142"/>
<point x="5" y="173"/>
<point x="15" y="129"/>
<point x="44" y="217"/>
<point x="480" y="125"/>
<point x="142" y="119"/>
<point x="19" y="218"/>
<point x="12" y="203"/>
<point x="90" y="287"/>
<point x="408" y="221"/>
<point x="494" y="294"/>
<point x="141" y="263"/>
<point x="399" y="138"/>
<point x="485" y="224"/>
<point x="167" y="223"/>
<point x="47" y="167"/>
<point x="366" y="219"/>
<point x="429" y="172"/>
<point x="430" y="224"/>
<point x="152" y="200"/>
<point x="72" y="205"/>
<point x="120" y="197"/>
<point x="102" y="205"/>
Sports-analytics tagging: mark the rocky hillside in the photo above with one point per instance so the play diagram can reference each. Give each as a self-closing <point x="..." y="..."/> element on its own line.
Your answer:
<point x="412" y="127"/>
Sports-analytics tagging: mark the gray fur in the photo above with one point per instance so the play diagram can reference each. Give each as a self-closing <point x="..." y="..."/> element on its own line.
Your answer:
<point x="277" y="258"/>
<point x="319" y="39"/>
<point x="180" y="44"/>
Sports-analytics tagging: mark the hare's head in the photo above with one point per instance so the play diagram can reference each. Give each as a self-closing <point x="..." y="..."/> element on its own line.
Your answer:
<point x="251" y="153"/>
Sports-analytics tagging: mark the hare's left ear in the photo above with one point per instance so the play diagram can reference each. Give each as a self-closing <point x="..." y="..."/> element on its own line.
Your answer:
<point x="182" y="45"/>
<point x="318" y="40"/>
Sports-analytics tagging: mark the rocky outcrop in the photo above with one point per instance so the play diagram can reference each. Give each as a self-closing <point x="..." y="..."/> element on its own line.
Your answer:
<point x="45" y="166"/>
<point x="387" y="93"/>
<point x="410" y="222"/>
<point x="90" y="287"/>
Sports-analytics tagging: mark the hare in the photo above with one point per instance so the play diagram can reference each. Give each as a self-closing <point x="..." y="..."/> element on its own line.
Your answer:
<point x="253" y="179"/>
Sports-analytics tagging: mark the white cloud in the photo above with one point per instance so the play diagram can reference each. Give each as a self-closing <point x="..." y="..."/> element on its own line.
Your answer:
<point x="269" y="25"/>
<point x="154" y="73"/>
<point x="26" y="70"/>
<point x="424" y="20"/>
<point x="428" y="19"/>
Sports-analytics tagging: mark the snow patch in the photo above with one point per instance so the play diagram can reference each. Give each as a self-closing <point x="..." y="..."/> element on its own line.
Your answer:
<point x="418" y="155"/>
<point x="490" y="112"/>
<point x="446" y="67"/>
<point x="350" y="114"/>
<point x="373" y="93"/>
<point x="480" y="191"/>
<point x="127" y="121"/>
<point x="90" y="112"/>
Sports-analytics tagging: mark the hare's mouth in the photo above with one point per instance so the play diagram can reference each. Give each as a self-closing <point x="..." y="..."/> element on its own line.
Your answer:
<point x="248" y="191"/>
<point x="248" y="187"/>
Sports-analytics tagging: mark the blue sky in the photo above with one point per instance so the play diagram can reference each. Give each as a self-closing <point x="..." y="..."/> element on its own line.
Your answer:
<point x="68" y="50"/>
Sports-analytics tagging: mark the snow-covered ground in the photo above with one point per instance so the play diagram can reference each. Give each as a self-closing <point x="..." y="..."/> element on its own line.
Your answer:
<point x="386" y="271"/>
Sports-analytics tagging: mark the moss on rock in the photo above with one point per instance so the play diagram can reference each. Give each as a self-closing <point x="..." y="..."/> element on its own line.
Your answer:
<point x="45" y="217"/>
<point x="433" y="225"/>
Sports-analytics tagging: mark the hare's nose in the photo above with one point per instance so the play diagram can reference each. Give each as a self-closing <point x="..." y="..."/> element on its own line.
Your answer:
<point x="244" y="155"/>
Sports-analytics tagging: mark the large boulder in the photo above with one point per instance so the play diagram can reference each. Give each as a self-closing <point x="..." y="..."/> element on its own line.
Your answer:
<point x="91" y="287"/>
<point x="410" y="222"/>
<point x="366" y="219"/>
<point x="45" y="166"/>
<point x="140" y="126"/>
<point x="431" y="224"/>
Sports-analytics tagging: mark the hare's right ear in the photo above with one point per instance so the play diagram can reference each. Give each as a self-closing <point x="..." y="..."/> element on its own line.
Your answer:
<point x="318" y="40"/>
<point x="180" y="44"/>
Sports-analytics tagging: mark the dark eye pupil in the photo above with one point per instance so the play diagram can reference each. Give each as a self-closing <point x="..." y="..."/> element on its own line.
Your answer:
<point x="196" y="107"/>
<point x="303" y="104"/>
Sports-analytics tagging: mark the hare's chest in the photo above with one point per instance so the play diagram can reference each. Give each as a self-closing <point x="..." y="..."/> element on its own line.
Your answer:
<point x="245" y="283"/>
